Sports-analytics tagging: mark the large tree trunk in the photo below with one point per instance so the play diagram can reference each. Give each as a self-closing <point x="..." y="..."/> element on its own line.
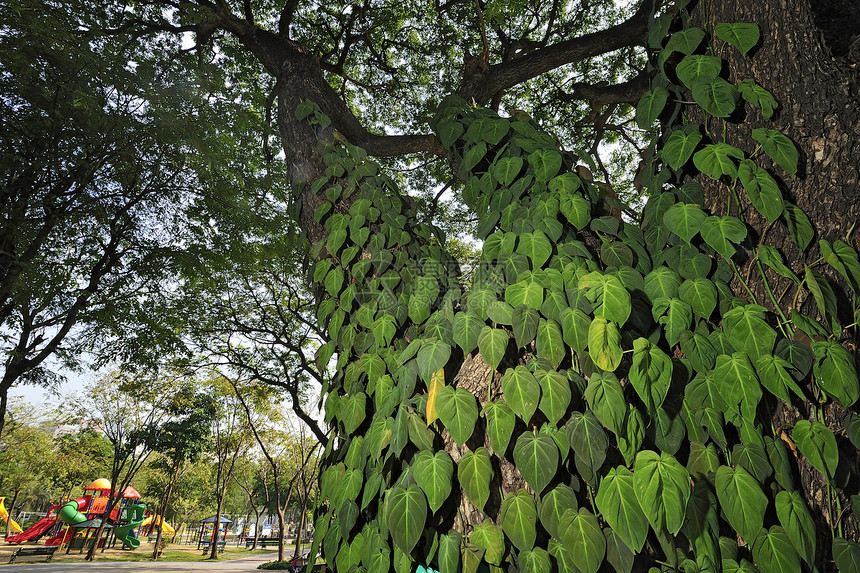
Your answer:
<point x="804" y="59"/>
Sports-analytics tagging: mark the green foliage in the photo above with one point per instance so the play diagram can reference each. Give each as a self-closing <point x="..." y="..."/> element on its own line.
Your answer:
<point x="636" y="352"/>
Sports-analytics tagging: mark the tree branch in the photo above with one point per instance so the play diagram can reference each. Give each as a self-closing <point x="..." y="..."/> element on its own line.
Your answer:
<point x="599" y="96"/>
<point x="482" y="85"/>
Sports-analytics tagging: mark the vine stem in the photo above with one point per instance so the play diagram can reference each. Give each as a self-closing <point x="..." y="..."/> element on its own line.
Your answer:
<point x="743" y="282"/>
<point x="772" y="298"/>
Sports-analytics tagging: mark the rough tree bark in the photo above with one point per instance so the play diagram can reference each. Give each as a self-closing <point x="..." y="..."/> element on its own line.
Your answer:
<point x="805" y="59"/>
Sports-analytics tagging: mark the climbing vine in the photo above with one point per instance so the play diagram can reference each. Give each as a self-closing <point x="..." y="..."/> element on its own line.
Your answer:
<point x="600" y="393"/>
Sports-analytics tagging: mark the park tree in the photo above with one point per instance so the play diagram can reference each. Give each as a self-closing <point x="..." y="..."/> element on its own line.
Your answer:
<point x="105" y="156"/>
<point x="245" y="306"/>
<point x="78" y="458"/>
<point x="287" y="450"/>
<point x="25" y="450"/>
<point x="672" y="386"/>
<point x="254" y="478"/>
<point x="129" y="411"/>
<point x="231" y="438"/>
<point x="181" y="440"/>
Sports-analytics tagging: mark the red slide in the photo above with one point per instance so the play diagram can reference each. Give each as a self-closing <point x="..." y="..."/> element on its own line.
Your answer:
<point x="63" y="537"/>
<point x="36" y="531"/>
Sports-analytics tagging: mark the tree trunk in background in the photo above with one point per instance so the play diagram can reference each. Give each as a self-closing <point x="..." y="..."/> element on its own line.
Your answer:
<point x="11" y="510"/>
<point x="164" y="502"/>
<point x="808" y="59"/>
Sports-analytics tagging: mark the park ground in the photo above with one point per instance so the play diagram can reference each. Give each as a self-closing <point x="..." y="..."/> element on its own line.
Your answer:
<point x="177" y="557"/>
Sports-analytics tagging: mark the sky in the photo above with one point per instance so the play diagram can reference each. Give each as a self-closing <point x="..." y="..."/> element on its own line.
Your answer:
<point x="38" y="396"/>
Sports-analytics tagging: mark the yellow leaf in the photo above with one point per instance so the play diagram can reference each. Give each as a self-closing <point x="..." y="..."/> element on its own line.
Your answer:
<point x="437" y="382"/>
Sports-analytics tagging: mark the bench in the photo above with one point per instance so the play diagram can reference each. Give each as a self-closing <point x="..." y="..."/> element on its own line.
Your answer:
<point x="207" y="545"/>
<point x="261" y="542"/>
<point x="31" y="551"/>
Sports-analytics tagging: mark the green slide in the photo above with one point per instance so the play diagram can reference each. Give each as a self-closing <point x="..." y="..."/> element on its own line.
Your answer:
<point x="135" y="518"/>
<point x="70" y="515"/>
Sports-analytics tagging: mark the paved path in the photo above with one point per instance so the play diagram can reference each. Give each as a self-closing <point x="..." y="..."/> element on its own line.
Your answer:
<point x="246" y="564"/>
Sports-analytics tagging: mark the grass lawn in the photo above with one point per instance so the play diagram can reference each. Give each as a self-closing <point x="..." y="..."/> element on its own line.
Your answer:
<point x="173" y="552"/>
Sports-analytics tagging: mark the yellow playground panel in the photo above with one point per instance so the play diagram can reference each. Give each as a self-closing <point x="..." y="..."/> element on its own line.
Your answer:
<point x="165" y="527"/>
<point x="4" y="517"/>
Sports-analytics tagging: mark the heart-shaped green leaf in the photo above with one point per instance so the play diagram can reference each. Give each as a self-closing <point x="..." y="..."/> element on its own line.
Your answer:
<point x="500" y="425"/>
<point x="604" y="344"/>
<point x="817" y="443"/>
<point x="589" y="443"/>
<point x="650" y="374"/>
<point x="433" y="473"/>
<point x="715" y="160"/>
<point x="466" y="329"/>
<point x="506" y="169"/>
<point x="432" y="356"/>
<point x="762" y="190"/>
<point x="522" y="391"/>
<point x="758" y="96"/>
<point x="535" y="561"/>
<point x="617" y="502"/>
<point x="536" y="247"/>
<point x="536" y="457"/>
<point x="721" y="232"/>
<point x="449" y="552"/>
<point x="679" y="147"/>
<point x="698" y="67"/>
<point x="741" y="499"/>
<point x="797" y="523"/>
<point x="474" y="472"/>
<point x="739" y="383"/>
<point x="492" y="343"/>
<point x="405" y="512"/>
<point x="555" y="394"/>
<point x="662" y="487"/>
<point x="352" y="411"/>
<point x="492" y="539"/>
<point x="549" y="342"/>
<point x="835" y="373"/>
<point x="650" y="106"/>
<point x="774" y="551"/>
<point x="519" y="519"/>
<point x="608" y="296"/>
<point x="458" y="410"/>
<point x="554" y="504"/>
<point x="546" y="163"/>
<point x="574" y="327"/>
<point x="583" y="537"/>
<point x="684" y="219"/>
<point x="778" y="147"/>
<point x="748" y="330"/>
<point x="606" y="399"/>
<point x="716" y="96"/>
<point x="741" y="35"/>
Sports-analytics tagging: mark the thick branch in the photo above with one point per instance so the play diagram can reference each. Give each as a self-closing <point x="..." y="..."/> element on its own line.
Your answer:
<point x="481" y="85"/>
<point x="599" y="96"/>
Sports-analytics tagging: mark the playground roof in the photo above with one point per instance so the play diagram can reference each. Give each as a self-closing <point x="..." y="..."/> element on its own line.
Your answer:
<point x="100" y="484"/>
<point x="211" y="519"/>
<point x="130" y="493"/>
<point x="91" y="524"/>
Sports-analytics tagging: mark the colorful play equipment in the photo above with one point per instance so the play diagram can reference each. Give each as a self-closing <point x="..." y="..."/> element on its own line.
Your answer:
<point x="73" y="523"/>
<point x="155" y="520"/>
<point x="125" y="533"/>
<point x="4" y="516"/>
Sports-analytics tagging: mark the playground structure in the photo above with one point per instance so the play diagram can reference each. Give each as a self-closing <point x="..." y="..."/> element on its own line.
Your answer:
<point x="4" y="517"/>
<point x="72" y="523"/>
